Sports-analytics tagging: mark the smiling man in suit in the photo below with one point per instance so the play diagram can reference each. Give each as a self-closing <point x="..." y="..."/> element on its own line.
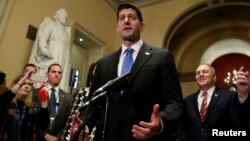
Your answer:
<point x="210" y="110"/>
<point x="149" y="107"/>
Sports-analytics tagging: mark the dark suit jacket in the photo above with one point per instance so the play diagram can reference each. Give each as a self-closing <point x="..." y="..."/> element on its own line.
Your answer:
<point x="246" y="115"/>
<point x="222" y="114"/>
<point x="153" y="80"/>
<point x="43" y="120"/>
<point x="10" y="130"/>
<point x="5" y="100"/>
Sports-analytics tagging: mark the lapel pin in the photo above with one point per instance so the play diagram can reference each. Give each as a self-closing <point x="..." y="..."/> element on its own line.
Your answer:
<point x="216" y="95"/>
<point x="147" y="53"/>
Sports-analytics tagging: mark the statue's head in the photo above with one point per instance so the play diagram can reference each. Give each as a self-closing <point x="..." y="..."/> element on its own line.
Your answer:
<point x="61" y="15"/>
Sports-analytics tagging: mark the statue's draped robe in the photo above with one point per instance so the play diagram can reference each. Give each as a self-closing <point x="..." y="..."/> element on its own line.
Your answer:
<point x="52" y="46"/>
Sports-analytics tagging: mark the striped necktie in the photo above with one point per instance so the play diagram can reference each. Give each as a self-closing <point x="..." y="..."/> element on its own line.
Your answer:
<point x="203" y="109"/>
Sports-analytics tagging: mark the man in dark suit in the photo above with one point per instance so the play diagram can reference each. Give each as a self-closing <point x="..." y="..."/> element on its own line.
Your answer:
<point x="149" y="106"/>
<point x="219" y="113"/>
<point x="243" y="87"/>
<point x="49" y="127"/>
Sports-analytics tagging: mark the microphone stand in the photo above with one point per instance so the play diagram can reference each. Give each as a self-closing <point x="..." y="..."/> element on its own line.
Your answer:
<point x="83" y="126"/>
<point x="92" y="100"/>
<point x="102" y="91"/>
<point x="105" y="118"/>
<point x="105" y="112"/>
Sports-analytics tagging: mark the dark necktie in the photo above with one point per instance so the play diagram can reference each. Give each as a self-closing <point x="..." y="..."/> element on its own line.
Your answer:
<point x="203" y="109"/>
<point x="128" y="61"/>
<point x="52" y="103"/>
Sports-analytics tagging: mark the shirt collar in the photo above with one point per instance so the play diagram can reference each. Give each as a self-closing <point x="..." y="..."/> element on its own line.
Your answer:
<point x="209" y="91"/>
<point x="135" y="46"/>
<point x="56" y="88"/>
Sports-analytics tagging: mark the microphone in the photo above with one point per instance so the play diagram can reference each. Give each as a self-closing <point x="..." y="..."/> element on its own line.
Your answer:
<point x="112" y="83"/>
<point x="100" y="92"/>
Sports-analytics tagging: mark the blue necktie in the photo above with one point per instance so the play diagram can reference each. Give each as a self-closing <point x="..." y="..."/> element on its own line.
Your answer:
<point x="52" y="103"/>
<point x="128" y="61"/>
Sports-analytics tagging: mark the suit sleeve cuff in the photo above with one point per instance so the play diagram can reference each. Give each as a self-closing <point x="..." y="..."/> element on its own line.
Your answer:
<point x="161" y="129"/>
<point x="243" y="99"/>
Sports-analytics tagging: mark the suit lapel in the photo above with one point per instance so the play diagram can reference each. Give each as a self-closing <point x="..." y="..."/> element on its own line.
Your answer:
<point x="114" y="62"/>
<point x="61" y="101"/>
<point x="144" y="54"/>
<point x="214" y="99"/>
<point x="196" y="106"/>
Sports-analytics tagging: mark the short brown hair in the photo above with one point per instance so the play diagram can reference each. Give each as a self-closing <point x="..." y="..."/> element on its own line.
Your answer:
<point x="127" y="6"/>
<point x="55" y="64"/>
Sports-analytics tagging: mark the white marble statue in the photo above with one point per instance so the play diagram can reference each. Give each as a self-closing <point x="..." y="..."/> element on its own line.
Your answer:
<point x="52" y="45"/>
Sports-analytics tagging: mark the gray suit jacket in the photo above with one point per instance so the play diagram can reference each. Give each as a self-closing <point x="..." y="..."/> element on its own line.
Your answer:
<point x="43" y="120"/>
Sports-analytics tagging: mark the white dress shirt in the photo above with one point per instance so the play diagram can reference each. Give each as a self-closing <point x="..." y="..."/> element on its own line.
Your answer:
<point x="209" y="96"/>
<point x="56" y="94"/>
<point x="136" y="47"/>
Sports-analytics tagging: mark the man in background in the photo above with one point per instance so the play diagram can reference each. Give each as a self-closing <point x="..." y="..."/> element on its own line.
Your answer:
<point x="55" y="108"/>
<point x="243" y="87"/>
<point x="30" y="67"/>
<point x="210" y="108"/>
<point x="33" y="69"/>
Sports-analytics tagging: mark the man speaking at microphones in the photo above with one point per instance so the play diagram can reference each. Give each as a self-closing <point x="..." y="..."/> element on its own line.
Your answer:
<point x="149" y="107"/>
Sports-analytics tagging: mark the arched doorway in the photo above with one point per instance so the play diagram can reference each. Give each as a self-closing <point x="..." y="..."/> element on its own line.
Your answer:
<point x="203" y="25"/>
